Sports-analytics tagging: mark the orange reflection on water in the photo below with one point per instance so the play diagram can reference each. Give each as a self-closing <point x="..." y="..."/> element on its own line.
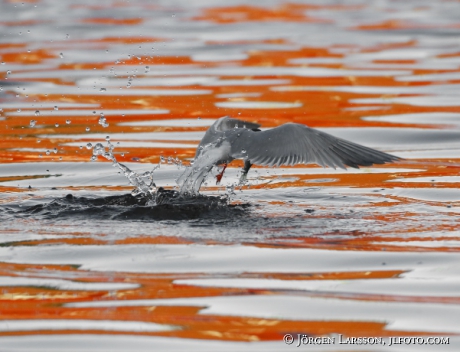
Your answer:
<point x="18" y="303"/>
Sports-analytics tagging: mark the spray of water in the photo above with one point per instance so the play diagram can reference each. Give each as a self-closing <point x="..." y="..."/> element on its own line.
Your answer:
<point x="191" y="179"/>
<point x="189" y="182"/>
<point x="146" y="188"/>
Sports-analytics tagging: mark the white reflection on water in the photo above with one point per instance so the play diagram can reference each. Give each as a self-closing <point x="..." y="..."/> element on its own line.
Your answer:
<point x="85" y="112"/>
<point x="405" y="316"/>
<point x="432" y="100"/>
<point x="122" y="91"/>
<point x="74" y="324"/>
<point x="172" y="122"/>
<point x="123" y="343"/>
<point x="427" y="118"/>
<point x="221" y="259"/>
<point x="63" y="284"/>
<point x="395" y="287"/>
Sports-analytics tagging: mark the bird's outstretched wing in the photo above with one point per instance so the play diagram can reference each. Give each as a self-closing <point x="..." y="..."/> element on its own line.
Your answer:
<point x="292" y="144"/>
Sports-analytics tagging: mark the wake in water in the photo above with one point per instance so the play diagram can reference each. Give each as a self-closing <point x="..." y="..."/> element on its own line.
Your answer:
<point x="146" y="201"/>
<point x="127" y="207"/>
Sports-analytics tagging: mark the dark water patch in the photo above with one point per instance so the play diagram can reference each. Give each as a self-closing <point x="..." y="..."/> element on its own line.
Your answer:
<point x="168" y="205"/>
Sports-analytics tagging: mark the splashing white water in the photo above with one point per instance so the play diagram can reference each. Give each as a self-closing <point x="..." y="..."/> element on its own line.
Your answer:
<point x="147" y="188"/>
<point x="209" y="155"/>
<point x="189" y="182"/>
<point x="191" y="179"/>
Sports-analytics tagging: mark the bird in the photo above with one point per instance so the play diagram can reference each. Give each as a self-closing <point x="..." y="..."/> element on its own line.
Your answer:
<point x="228" y="139"/>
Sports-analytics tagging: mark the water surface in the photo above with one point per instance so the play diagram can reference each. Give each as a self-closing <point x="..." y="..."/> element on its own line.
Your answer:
<point x="374" y="252"/>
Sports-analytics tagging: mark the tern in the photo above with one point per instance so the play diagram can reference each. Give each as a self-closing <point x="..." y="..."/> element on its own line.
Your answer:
<point x="289" y="144"/>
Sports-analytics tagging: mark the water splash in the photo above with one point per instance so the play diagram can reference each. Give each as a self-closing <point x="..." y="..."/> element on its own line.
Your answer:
<point x="146" y="188"/>
<point x="103" y="121"/>
<point x="192" y="178"/>
<point x="189" y="183"/>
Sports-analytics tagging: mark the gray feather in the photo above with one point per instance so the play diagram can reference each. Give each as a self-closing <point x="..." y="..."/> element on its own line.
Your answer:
<point x="282" y="145"/>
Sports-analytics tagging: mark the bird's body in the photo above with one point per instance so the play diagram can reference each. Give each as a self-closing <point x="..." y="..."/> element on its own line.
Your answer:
<point x="289" y="144"/>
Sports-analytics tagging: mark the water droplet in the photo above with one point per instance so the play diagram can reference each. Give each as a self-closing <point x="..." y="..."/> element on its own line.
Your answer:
<point x="94" y="158"/>
<point x="98" y="149"/>
<point x="55" y="150"/>
<point x="89" y="146"/>
<point x="3" y="63"/>
<point x="38" y="140"/>
<point x="102" y="120"/>
<point x="103" y="90"/>
<point x="32" y="123"/>
<point x="8" y="72"/>
<point x="56" y="125"/>
<point x="243" y="151"/>
<point x="147" y="69"/>
<point x="61" y="55"/>
<point x="68" y="122"/>
<point x="87" y="129"/>
<point x="173" y="15"/>
<point x="107" y="138"/>
<point x="56" y="108"/>
<point x="67" y="36"/>
<point x="18" y="110"/>
<point x="47" y="152"/>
